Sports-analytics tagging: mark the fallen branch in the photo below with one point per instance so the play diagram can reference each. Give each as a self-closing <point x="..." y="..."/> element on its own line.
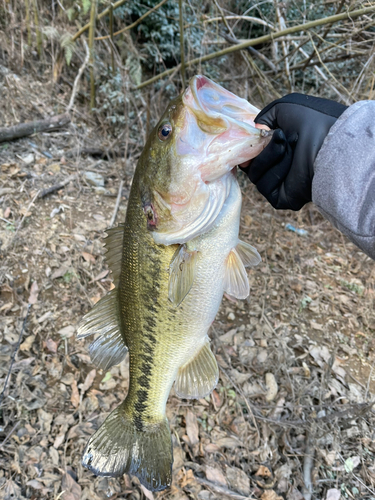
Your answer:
<point x="262" y="39"/>
<point x="56" y="187"/>
<point x="25" y="129"/>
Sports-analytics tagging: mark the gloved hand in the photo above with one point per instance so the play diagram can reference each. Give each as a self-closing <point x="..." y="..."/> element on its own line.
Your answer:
<point x="283" y="171"/>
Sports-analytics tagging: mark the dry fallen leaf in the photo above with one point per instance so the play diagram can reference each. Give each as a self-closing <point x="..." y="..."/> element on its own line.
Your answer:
<point x="216" y="399"/>
<point x="147" y="493"/>
<point x="333" y="494"/>
<point x="215" y="475"/>
<point x="74" y="398"/>
<point x="72" y="490"/>
<point x="238" y="480"/>
<point x="101" y="275"/>
<point x="88" y="382"/>
<point x="28" y="342"/>
<point x="67" y="331"/>
<point x="34" y="290"/>
<point x="229" y="442"/>
<point x="192" y="427"/>
<point x="263" y="471"/>
<point x="51" y="345"/>
<point x="272" y="387"/>
<point x="271" y="495"/>
<point x="88" y="257"/>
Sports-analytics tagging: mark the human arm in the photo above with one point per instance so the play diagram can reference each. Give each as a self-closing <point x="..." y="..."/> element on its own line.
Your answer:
<point x="315" y="155"/>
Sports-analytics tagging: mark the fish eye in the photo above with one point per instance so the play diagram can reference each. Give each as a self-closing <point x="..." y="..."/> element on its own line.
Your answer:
<point x="164" y="131"/>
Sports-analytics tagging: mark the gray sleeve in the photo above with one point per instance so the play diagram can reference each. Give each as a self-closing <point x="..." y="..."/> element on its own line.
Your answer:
<point x="343" y="186"/>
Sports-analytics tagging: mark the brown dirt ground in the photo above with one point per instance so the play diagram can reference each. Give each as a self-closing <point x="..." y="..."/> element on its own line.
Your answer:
<point x="296" y="359"/>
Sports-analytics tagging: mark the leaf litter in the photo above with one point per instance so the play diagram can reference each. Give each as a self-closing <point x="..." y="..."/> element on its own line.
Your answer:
<point x="296" y="360"/>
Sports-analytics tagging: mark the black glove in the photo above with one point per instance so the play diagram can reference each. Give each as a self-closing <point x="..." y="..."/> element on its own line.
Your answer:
<point x="283" y="171"/>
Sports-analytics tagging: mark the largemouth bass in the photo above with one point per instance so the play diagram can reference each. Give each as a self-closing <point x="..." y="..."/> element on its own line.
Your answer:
<point x="173" y="259"/>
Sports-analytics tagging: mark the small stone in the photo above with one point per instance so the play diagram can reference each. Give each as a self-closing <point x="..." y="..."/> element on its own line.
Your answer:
<point x="231" y="317"/>
<point x="94" y="179"/>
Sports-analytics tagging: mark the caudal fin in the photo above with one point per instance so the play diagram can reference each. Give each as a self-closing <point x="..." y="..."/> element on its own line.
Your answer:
<point x="118" y="447"/>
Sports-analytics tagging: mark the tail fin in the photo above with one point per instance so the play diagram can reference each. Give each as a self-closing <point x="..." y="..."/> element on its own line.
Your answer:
<point x="118" y="447"/>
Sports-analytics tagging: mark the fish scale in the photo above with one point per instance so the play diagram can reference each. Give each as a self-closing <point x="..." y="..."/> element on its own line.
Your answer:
<point x="180" y="252"/>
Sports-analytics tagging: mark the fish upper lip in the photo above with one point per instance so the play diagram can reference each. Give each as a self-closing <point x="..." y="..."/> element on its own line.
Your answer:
<point x="198" y="82"/>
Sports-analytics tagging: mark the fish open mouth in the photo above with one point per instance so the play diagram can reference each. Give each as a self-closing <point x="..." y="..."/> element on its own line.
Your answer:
<point x="216" y="133"/>
<point x="229" y="120"/>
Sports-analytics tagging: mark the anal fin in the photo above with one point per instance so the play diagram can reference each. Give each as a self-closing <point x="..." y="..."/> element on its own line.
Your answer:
<point x="197" y="378"/>
<point x="182" y="272"/>
<point x="108" y="349"/>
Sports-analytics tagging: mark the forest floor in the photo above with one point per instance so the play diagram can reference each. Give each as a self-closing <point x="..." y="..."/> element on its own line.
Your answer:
<point x="294" y="403"/>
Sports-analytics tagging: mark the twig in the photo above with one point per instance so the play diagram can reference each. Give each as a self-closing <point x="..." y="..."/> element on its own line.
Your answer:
<point x="9" y="434"/>
<point x="102" y="14"/>
<point x="262" y="39"/>
<point x="113" y="218"/>
<point x="251" y="19"/>
<point x="14" y="354"/>
<point x="78" y="77"/>
<point x="56" y="187"/>
<point x="133" y="25"/>
<point x="222" y="489"/>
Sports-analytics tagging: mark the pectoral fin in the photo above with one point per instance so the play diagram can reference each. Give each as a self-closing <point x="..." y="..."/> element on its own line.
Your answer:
<point x="236" y="283"/>
<point x="199" y="376"/>
<point x="248" y="254"/>
<point x="182" y="271"/>
<point x="108" y="349"/>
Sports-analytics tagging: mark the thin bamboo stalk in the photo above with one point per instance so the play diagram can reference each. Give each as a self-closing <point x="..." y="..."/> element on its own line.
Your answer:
<point x="27" y="19"/>
<point x="263" y="39"/>
<point x="111" y="35"/>
<point x="94" y="4"/>
<point x="182" y="47"/>
<point x="39" y="40"/>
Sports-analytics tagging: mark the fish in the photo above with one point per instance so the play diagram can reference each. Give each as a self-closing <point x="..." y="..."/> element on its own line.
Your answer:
<point x="171" y="261"/>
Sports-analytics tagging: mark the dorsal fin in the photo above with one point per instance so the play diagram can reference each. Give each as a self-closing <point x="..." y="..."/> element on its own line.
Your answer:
<point x="182" y="271"/>
<point x="113" y="244"/>
<point x="236" y="283"/>
<point x="197" y="378"/>
<point x="248" y="254"/>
